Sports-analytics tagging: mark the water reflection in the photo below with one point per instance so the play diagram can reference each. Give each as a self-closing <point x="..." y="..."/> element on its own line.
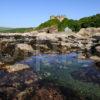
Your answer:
<point x="55" y="60"/>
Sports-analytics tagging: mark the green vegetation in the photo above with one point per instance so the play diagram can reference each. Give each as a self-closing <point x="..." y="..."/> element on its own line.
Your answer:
<point x="4" y="28"/>
<point x="72" y="24"/>
<point x="92" y="21"/>
<point x="75" y="25"/>
<point x="49" y="23"/>
<point x="15" y="30"/>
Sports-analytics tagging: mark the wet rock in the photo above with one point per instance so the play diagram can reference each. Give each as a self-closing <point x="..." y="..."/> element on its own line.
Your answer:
<point x="87" y="74"/>
<point x="22" y="51"/>
<point x="1" y="65"/>
<point x="16" y="67"/>
<point x="2" y="73"/>
<point x="18" y="46"/>
<point x="22" y="96"/>
<point x="14" y="86"/>
<point x="47" y="93"/>
<point x="97" y="49"/>
<point x="82" y="56"/>
<point x="95" y="58"/>
<point x="97" y="64"/>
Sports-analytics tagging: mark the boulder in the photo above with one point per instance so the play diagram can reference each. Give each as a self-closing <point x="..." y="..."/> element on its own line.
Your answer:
<point x="24" y="47"/>
<point x="88" y="31"/>
<point x="95" y="58"/>
<point x="81" y="56"/>
<point x="68" y="30"/>
<point x="97" y="49"/>
<point x="23" y="50"/>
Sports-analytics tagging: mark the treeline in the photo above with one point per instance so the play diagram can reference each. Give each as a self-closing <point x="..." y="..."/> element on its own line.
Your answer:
<point x="75" y="25"/>
<point x="16" y="30"/>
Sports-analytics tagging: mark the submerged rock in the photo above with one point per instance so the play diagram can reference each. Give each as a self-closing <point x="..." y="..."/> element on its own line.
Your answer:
<point x="87" y="74"/>
<point x="15" y="83"/>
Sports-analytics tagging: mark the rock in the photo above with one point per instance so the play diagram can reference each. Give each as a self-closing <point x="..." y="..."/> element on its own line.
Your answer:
<point x="22" y="51"/>
<point x="30" y="34"/>
<point x="95" y="58"/>
<point x="10" y="52"/>
<point x="16" y="67"/>
<point x="97" y="34"/>
<point x="25" y="47"/>
<point x="50" y="94"/>
<point x="52" y="29"/>
<point x="81" y="56"/>
<point x="22" y="95"/>
<point x="1" y="64"/>
<point x="88" y="31"/>
<point x="18" y="46"/>
<point x="97" y="64"/>
<point x="16" y="84"/>
<point x="87" y="74"/>
<point x="97" y="49"/>
<point x="68" y="30"/>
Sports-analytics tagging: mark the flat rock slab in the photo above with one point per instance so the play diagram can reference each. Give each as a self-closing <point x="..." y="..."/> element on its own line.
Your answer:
<point x="16" y="67"/>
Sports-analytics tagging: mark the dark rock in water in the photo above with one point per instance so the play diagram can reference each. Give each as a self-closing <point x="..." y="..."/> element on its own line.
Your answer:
<point x="24" y="85"/>
<point x="11" y="84"/>
<point x="87" y="75"/>
<point x="98" y="64"/>
<point x="3" y="96"/>
<point x="2" y="74"/>
<point x="95" y="50"/>
<point x="48" y="91"/>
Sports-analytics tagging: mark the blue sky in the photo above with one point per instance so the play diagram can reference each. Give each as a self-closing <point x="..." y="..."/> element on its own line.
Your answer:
<point x="30" y="13"/>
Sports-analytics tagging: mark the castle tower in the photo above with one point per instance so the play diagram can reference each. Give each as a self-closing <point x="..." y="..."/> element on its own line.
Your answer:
<point x="59" y="17"/>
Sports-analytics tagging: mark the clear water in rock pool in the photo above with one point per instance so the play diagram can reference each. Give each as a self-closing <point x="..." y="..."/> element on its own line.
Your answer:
<point x="56" y="61"/>
<point x="67" y="70"/>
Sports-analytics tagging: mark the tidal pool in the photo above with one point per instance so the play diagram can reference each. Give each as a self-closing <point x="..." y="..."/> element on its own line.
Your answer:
<point x="69" y="71"/>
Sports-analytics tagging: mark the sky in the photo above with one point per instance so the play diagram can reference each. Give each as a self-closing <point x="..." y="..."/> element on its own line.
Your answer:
<point x="30" y="13"/>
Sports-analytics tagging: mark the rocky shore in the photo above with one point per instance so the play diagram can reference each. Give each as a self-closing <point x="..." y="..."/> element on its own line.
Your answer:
<point x="18" y="46"/>
<point x="20" y="80"/>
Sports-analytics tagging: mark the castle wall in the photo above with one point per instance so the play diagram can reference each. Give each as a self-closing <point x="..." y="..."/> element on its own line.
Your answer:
<point x="60" y="18"/>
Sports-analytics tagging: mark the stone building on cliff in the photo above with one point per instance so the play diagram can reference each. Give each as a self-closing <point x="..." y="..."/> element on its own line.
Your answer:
<point x="59" y="17"/>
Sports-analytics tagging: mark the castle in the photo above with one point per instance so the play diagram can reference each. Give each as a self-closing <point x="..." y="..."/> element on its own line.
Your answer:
<point x="60" y="17"/>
